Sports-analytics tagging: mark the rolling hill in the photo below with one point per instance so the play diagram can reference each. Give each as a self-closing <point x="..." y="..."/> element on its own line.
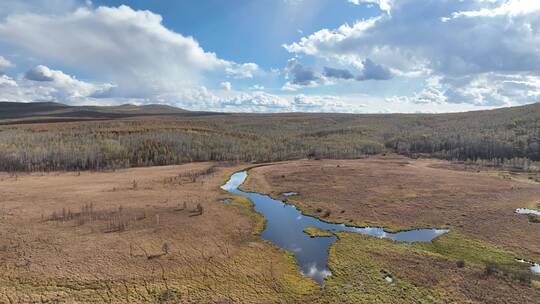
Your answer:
<point x="51" y="136"/>
<point x="52" y="111"/>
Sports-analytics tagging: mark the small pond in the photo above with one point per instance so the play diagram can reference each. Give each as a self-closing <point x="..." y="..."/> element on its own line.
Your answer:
<point x="535" y="268"/>
<point x="291" y="193"/>
<point x="527" y="211"/>
<point x="285" y="226"/>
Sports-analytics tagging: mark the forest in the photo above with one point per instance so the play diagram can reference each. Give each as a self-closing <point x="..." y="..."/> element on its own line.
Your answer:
<point x="507" y="137"/>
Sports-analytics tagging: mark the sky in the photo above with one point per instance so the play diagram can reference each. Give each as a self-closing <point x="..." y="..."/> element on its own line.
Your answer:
<point x="354" y="56"/>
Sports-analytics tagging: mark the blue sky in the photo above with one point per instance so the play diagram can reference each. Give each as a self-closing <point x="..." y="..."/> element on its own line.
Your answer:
<point x="247" y="30"/>
<point x="362" y="56"/>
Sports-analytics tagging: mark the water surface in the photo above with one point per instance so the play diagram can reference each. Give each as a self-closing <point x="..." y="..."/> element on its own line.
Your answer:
<point x="285" y="227"/>
<point x="535" y="268"/>
<point x="527" y="211"/>
<point x="291" y="193"/>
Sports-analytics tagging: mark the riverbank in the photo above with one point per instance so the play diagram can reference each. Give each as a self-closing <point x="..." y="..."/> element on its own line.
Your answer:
<point x="399" y="193"/>
<point x="165" y="234"/>
<point x="462" y="265"/>
<point x="140" y="235"/>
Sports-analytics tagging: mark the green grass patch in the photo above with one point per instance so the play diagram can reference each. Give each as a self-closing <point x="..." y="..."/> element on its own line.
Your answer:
<point x="316" y="232"/>
<point x="455" y="246"/>
<point x="244" y="204"/>
<point x="358" y="275"/>
<point x="534" y="218"/>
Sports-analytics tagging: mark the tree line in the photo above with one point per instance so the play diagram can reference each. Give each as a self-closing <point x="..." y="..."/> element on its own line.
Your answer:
<point x="494" y="136"/>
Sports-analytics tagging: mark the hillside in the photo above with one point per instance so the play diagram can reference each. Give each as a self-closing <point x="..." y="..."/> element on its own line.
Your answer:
<point x="52" y="111"/>
<point x="160" y="135"/>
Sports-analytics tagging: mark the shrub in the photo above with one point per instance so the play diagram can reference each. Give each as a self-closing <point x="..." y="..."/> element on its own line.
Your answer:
<point x="165" y="248"/>
<point x="534" y="218"/>
<point x="491" y="268"/>
<point x="524" y="277"/>
<point x="198" y="210"/>
<point x="168" y="296"/>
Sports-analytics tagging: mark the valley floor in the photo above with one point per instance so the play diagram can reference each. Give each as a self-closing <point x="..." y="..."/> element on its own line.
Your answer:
<point x="163" y="234"/>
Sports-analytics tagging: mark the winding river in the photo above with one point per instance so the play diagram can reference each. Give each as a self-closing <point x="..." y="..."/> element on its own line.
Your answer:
<point x="285" y="226"/>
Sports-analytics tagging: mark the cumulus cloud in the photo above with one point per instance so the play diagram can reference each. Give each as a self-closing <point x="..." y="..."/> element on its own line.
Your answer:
<point x="4" y="63"/>
<point x="384" y="5"/>
<point x="130" y="48"/>
<point x="246" y="70"/>
<point x="227" y="86"/>
<point x="43" y="73"/>
<point x="262" y="102"/>
<point x="486" y="89"/>
<point x="510" y="8"/>
<point x="370" y="71"/>
<point x="257" y="102"/>
<point x="337" y="73"/>
<point x="6" y="81"/>
<point x="44" y="84"/>
<point x="325" y="103"/>
<point x="493" y="89"/>
<point x="464" y="42"/>
<point x="301" y="76"/>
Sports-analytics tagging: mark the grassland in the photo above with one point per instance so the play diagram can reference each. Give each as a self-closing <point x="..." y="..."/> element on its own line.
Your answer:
<point x="475" y="262"/>
<point x="163" y="234"/>
<point x="400" y="193"/>
<point x="423" y="273"/>
<point x="137" y="236"/>
<point x="316" y="232"/>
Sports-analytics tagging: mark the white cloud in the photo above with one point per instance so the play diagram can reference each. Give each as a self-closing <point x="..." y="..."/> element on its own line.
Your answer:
<point x="486" y="89"/>
<point x="129" y="48"/>
<point x="493" y="89"/>
<point x="4" y="63"/>
<point x="43" y="84"/>
<point x="485" y="53"/>
<point x="384" y="5"/>
<point x="256" y="102"/>
<point x="246" y="70"/>
<point x="259" y="101"/>
<point x="227" y="86"/>
<point x="325" y="103"/>
<point x="476" y="58"/>
<point x="6" y="81"/>
<point x="510" y="8"/>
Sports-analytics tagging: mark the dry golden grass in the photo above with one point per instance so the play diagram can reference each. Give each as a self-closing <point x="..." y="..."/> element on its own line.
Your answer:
<point x="60" y="239"/>
<point x="400" y="193"/>
<point x="162" y="234"/>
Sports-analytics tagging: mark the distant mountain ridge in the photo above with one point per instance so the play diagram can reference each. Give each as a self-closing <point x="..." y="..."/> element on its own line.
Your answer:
<point x="56" y="111"/>
<point x="16" y="112"/>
